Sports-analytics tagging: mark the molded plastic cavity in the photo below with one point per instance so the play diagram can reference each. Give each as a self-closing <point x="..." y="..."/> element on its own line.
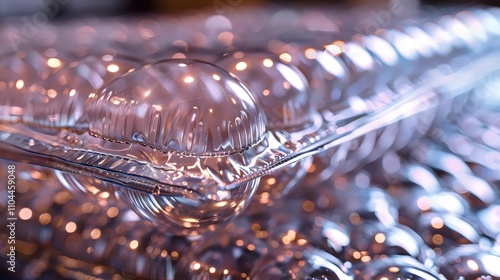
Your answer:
<point x="184" y="106"/>
<point x="58" y="100"/>
<point x="282" y="88"/>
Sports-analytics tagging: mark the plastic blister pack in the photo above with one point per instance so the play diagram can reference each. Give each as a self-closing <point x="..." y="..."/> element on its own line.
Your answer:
<point x="281" y="150"/>
<point x="195" y="138"/>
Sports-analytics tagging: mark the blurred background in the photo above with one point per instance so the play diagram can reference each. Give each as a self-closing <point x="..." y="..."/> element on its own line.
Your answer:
<point x="33" y="11"/>
<point x="72" y="8"/>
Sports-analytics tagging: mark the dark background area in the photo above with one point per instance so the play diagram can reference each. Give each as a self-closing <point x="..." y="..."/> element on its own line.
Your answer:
<point x="72" y="8"/>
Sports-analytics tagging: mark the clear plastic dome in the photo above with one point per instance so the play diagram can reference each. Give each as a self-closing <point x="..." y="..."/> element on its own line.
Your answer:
<point x="470" y="262"/>
<point x="375" y="240"/>
<point x="221" y="255"/>
<point x="21" y="71"/>
<point x="299" y="262"/>
<point x="58" y="100"/>
<point x="395" y="267"/>
<point x="184" y="106"/>
<point x="281" y="88"/>
<point x="185" y="215"/>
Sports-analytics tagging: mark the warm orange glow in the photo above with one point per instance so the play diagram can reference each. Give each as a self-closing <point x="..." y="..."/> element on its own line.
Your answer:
<point x="54" y="62"/>
<point x="437" y="223"/>
<point x="134" y="244"/>
<point x="95" y="233"/>
<point x="267" y="62"/>
<point x="113" y="68"/>
<point x="380" y="238"/>
<point x="240" y="66"/>
<point x="70" y="227"/>
<point x="19" y="84"/>
<point x="25" y="214"/>
<point x="286" y="57"/>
